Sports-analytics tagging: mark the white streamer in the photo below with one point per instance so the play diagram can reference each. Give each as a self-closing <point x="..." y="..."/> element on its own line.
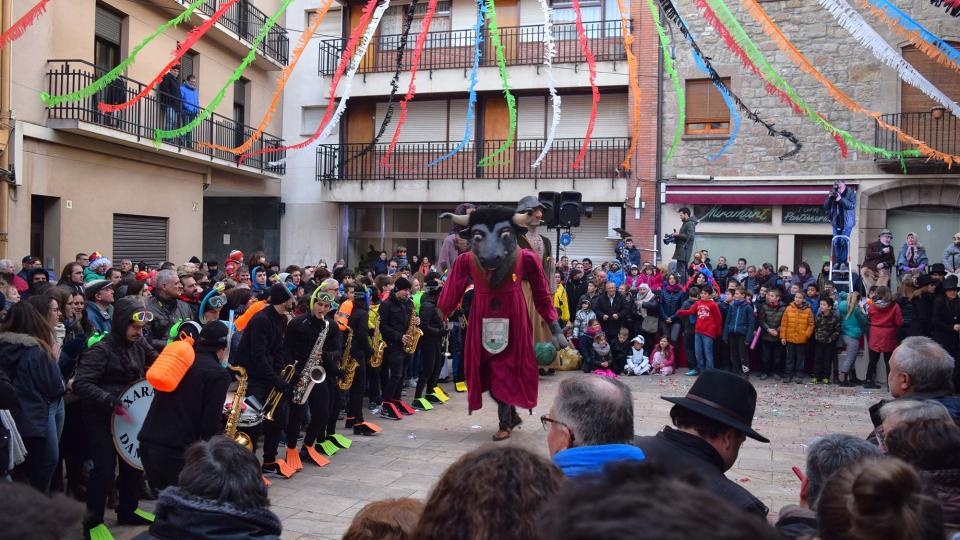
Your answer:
<point x="852" y="22"/>
<point x="549" y="50"/>
<point x="347" y="80"/>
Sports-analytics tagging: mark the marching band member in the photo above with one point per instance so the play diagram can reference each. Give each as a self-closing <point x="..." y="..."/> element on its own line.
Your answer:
<point x="261" y="353"/>
<point x="361" y="351"/>
<point x="326" y="426"/>
<point x="430" y="361"/>
<point x="396" y="313"/>
<point x="190" y="413"/>
<point x="105" y="371"/>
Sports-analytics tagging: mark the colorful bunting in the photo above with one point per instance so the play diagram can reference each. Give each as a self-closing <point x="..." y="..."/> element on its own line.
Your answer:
<point x="735" y="120"/>
<point x="595" y="91"/>
<point x="952" y="6"/>
<point x="680" y="94"/>
<point x="549" y="50"/>
<point x="504" y="81"/>
<point x="20" y="27"/>
<point x="916" y="33"/>
<point x="633" y="78"/>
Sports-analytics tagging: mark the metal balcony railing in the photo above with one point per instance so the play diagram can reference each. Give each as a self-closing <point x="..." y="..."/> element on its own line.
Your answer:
<point x="453" y="49"/>
<point x="941" y="133"/>
<point x="409" y="161"/>
<point x="245" y="20"/>
<point x="151" y="113"/>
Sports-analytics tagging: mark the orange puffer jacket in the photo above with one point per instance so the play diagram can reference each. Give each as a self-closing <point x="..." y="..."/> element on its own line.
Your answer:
<point x="798" y="323"/>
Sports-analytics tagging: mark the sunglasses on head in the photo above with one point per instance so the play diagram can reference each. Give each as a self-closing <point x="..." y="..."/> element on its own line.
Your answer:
<point x="142" y="317"/>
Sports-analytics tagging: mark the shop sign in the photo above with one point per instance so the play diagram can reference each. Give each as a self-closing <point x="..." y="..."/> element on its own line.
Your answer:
<point x="805" y="214"/>
<point x="730" y="213"/>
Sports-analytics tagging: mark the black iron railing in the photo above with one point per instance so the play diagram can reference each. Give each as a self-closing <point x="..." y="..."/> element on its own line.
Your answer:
<point x="939" y="129"/>
<point x="154" y="111"/>
<point x="523" y="45"/>
<point x="246" y="21"/>
<point x="409" y="161"/>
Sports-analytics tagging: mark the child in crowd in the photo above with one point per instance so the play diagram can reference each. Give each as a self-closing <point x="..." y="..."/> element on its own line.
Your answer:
<point x="813" y="298"/>
<point x="601" y="356"/>
<point x="826" y="332"/>
<point x="637" y="362"/>
<point x="586" y="344"/>
<point x="619" y="349"/>
<point x="582" y="319"/>
<point x="769" y="316"/>
<point x="738" y="331"/>
<point x="663" y="357"/>
<point x="796" y="328"/>
<point x="708" y="328"/>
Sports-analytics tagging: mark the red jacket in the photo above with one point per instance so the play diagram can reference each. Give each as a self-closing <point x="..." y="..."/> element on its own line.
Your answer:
<point x="709" y="320"/>
<point x="883" y="327"/>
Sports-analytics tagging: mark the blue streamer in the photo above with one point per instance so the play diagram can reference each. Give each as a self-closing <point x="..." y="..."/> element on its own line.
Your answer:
<point x="471" y="104"/>
<point x="734" y="113"/>
<point x="911" y="25"/>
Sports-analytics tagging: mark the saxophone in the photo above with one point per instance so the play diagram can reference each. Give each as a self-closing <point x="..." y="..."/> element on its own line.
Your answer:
<point x="348" y="366"/>
<point x="233" y="418"/>
<point x="414" y="333"/>
<point x="378" y="345"/>
<point x="313" y="372"/>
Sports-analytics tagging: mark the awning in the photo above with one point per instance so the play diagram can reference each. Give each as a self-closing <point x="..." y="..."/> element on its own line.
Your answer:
<point x="765" y="194"/>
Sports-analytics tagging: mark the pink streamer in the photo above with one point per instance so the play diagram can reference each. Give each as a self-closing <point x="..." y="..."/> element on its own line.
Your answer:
<point x="592" y="65"/>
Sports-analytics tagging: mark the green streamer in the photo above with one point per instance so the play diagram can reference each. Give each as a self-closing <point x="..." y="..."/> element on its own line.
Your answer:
<point x="205" y="113"/>
<point x="102" y="82"/>
<point x="753" y="52"/>
<point x="511" y="101"/>
<point x="671" y="70"/>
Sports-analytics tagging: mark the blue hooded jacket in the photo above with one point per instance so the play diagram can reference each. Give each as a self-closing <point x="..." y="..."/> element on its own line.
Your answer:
<point x="588" y="460"/>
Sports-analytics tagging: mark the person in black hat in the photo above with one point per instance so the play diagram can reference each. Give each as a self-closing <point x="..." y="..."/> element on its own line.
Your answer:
<point x="395" y="316"/>
<point x="189" y="413"/>
<point x="712" y="422"/>
<point x="922" y="322"/>
<point x="946" y="317"/>
<point x="431" y="359"/>
<point x="937" y="272"/>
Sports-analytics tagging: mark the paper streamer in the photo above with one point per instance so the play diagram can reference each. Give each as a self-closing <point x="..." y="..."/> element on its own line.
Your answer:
<point x="160" y="134"/>
<point x="192" y="37"/>
<point x="394" y="82"/>
<point x="472" y="101"/>
<point x="783" y="43"/>
<point x="412" y="87"/>
<point x="281" y="84"/>
<point x="633" y="78"/>
<point x="345" y="58"/>
<point x="592" y="66"/>
<point x="680" y="92"/>
<point x="504" y="81"/>
<point x="718" y="14"/>
<point x="549" y="51"/>
<point x="916" y="33"/>
<point x="107" y="78"/>
<point x="674" y="16"/>
<point x="735" y="119"/>
<point x="853" y="23"/>
<point x="952" y="6"/>
<point x="18" y="28"/>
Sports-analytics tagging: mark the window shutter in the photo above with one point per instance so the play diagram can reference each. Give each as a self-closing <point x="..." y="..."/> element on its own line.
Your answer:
<point x="311" y="117"/>
<point x="575" y="115"/>
<point x="108" y="26"/>
<point x="531" y="117"/>
<point x="426" y="121"/>
<point x="947" y="80"/>
<point x="458" y="121"/>
<point x="705" y="103"/>
<point x="140" y="238"/>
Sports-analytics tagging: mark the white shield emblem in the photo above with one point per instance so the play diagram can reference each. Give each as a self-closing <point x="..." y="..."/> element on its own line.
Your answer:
<point x="496" y="333"/>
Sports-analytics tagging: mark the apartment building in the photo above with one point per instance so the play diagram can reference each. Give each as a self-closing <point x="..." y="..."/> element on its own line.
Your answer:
<point x="84" y="180"/>
<point x="339" y="199"/>
<point x="753" y="205"/>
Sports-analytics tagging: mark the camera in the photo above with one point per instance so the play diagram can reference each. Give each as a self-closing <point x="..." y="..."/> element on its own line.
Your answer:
<point x="835" y="191"/>
<point x="669" y="239"/>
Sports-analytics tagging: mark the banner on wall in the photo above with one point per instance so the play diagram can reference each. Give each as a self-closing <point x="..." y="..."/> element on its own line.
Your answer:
<point x="798" y="214"/>
<point x="733" y="213"/>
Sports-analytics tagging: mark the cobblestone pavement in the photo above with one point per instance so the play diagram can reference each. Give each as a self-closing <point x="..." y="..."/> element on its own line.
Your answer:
<point x="409" y="455"/>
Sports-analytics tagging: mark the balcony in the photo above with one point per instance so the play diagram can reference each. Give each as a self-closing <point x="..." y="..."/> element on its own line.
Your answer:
<point x="523" y="45"/>
<point x="243" y="21"/>
<point x="939" y="129"/>
<point x="409" y="161"/>
<point x="135" y="125"/>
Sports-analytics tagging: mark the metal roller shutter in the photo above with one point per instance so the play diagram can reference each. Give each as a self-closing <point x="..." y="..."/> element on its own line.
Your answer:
<point x="140" y="238"/>
<point x="590" y="239"/>
<point x="426" y="121"/>
<point x="108" y="25"/>
<point x="611" y="121"/>
<point x="458" y="120"/>
<point x="531" y="117"/>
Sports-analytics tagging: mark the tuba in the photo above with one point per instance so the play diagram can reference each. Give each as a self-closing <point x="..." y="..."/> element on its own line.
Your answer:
<point x="313" y="372"/>
<point x="414" y="333"/>
<point x="378" y="345"/>
<point x="348" y="365"/>
<point x="233" y="417"/>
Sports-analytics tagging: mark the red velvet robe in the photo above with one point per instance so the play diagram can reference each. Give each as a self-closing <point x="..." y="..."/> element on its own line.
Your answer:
<point x="511" y="375"/>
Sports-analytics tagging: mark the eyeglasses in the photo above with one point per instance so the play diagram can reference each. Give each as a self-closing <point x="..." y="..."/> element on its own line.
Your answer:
<point x="142" y="317"/>
<point x="545" y="421"/>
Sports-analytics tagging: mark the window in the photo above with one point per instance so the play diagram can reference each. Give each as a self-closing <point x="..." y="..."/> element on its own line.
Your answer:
<point x="707" y="113"/>
<point x="240" y="101"/>
<point x="591" y="10"/>
<point x="188" y="65"/>
<point x="391" y="27"/>
<point x="108" y="33"/>
<point x="310" y="119"/>
<point x="944" y="78"/>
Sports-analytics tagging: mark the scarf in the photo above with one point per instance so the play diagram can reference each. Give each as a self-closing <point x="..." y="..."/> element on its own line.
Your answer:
<point x="18" y="451"/>
<point x="675" y="288"/>
<point x="536" y="241"/>
<point x="640" y="301"/>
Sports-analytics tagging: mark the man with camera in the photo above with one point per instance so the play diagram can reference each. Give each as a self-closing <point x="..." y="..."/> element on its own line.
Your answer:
<point x="684" y="242"/>
<point x="841" y="203"/>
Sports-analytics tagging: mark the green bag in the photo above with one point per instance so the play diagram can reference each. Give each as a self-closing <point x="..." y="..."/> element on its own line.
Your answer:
<point x="546" y="353"/>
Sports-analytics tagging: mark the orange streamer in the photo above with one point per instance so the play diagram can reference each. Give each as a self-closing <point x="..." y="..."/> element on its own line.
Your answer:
<point x="913" y="37"/>
<point x="281" y="84"/>
<point x="632" y="76"/>
<point x="773" y="31"/>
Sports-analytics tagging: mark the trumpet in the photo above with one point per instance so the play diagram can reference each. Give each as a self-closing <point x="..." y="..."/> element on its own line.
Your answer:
<point x="276" y="394"/>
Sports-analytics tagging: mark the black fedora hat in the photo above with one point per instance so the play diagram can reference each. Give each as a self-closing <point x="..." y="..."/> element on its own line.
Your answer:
<point x="951" y="283"/>
<point x="725" y="398"/>
<point x="937" y="268"/>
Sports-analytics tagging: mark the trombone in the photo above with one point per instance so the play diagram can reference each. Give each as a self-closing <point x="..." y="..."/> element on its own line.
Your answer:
<point x="276" y="394"/>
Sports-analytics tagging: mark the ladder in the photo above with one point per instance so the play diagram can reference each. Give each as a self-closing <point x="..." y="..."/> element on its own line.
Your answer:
<point x="840" y="277"/>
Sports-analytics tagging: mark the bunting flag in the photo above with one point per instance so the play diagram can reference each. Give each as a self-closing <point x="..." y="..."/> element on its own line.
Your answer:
<point x="505" y="82"/>
<point x="853" y="23"/>
<point x="549" y="51"/>
<point x="718" y="14"/>
<point x="472" y="100"/>
<point x="915" y="33"/>
<point x="735" y="120"/>
<point x="365" y="15"/>
<point x="592" y="67"/>
<point x="952" y="6"/>
<point x="110" y="76"/>
<point x="412" y="87"/>
<point x="282" y="81"/>
<point x="783" y="43"/>
<point x="192" y="37"/>
<point x="680" y="94"/>
<point x="633" y="78"/>
<point x="20" y="27"/>
<point x="674" y="16"/>
<point x="394" y="82"/>
<point x="160" y="134"/>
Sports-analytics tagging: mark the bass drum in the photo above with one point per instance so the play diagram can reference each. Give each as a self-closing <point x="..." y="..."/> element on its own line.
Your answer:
<point x="136" y="400"/>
